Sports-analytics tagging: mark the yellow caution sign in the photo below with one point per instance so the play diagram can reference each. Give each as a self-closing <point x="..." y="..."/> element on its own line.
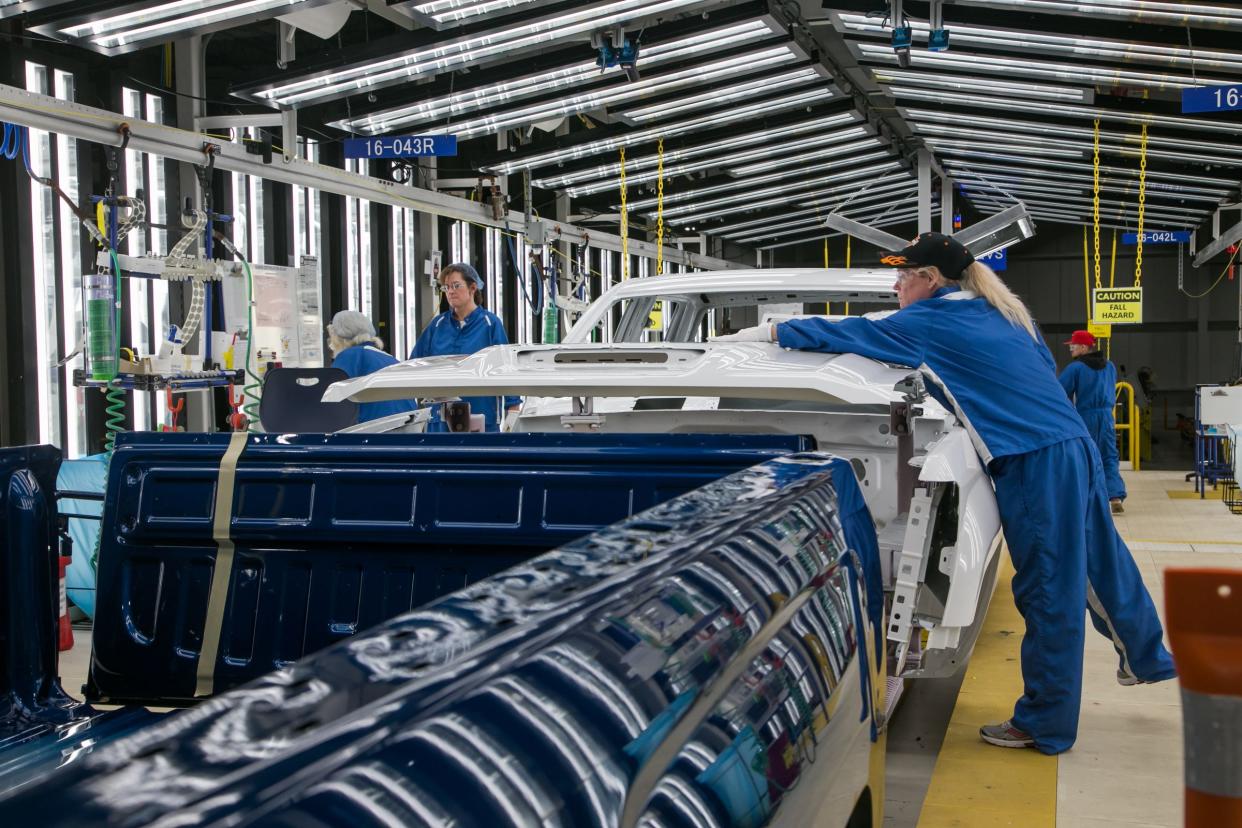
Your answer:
<point x="1100" y="331"/>
<point x="1117" y="306"/>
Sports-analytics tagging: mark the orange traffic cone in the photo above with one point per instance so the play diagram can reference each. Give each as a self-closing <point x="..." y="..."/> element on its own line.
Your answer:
<point x="1204" y="611"/>
<point x="66" y="630"/>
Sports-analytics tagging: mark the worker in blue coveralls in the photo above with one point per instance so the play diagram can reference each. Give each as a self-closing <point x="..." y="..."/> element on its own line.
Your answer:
<point x="978" y="349"/>
<point x="1091" y="383"/>
<point x="358" y="351"/>
<point x="464" y="328"/>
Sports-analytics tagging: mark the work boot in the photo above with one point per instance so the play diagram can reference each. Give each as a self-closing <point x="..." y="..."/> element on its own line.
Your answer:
<point x="1128" y="679"/>
<point x="1005" y="735"/>
<point x="1118" y="509"/>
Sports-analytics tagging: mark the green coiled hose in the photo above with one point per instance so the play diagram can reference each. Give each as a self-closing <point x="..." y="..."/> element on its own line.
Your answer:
<point x="115" y="409"/>
<point x="251" y="407"/>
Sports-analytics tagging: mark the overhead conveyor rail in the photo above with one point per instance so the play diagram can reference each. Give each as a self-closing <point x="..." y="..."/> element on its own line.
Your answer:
<point x="102" y="127"/>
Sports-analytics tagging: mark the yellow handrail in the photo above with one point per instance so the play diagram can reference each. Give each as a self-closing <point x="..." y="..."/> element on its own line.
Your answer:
<point x="1131" y="427"/>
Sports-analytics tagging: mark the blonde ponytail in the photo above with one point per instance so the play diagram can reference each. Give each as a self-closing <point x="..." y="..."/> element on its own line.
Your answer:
<point x="983" y="282"/>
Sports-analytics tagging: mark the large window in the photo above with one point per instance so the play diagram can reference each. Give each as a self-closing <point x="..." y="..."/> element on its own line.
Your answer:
<point x="247" y="212"/>
<point x="146" y="300"/>
<point x="405" y="275"/>
<point x="306" y="210"/>
<point x="358" y="245"/>
<point x="43" y="258"/>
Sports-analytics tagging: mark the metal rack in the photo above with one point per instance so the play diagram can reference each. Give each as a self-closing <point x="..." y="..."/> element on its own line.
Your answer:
<point x="1213" y="451"/>
<point x="192" y="381"/>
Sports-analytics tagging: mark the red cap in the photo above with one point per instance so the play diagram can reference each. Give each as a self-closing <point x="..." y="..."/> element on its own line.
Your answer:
<point x="1081" y="338"/>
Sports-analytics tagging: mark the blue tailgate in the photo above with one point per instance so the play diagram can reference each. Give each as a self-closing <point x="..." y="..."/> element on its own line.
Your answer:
<point x="336" y="533"/>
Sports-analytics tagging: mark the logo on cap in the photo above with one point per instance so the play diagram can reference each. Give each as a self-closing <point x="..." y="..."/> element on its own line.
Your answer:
<point x="893" y="261"/>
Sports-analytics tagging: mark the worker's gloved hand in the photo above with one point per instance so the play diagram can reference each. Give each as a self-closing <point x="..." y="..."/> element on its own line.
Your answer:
<point x="509" y="421"/>
<point x="759" y="333"/>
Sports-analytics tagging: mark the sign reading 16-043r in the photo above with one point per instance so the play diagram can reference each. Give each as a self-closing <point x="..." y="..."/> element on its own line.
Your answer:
<point x="1212" y="98"/>
<point x="401" y="146"/>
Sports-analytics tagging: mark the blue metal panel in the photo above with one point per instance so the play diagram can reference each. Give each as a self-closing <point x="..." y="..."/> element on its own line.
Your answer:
<point x="691" y="663"/>
<point x="337" y="533"/>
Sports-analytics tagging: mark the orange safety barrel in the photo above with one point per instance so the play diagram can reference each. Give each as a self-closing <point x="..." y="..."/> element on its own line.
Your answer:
<point x="1204" y="614"/>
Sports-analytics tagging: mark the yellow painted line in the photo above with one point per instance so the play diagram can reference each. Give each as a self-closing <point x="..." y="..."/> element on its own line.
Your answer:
<point x="976" y="784"/>
<point x="1182" y="494"/>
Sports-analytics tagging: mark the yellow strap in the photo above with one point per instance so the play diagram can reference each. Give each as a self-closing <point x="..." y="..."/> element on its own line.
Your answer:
<point x="222" y="572"/>
<point x="1112" y="263"/>
<point x="827" y="305"/>
<point x="847" y="264"/>
<point x="1138" y="256"/>
<point x="1086" y="274"/>
<point x="660" y="207"/>
<point x="625" y="224"/>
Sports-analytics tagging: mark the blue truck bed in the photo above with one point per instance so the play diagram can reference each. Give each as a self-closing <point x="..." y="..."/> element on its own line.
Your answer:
<point x="702" y="662"/>
<point x="334" y="534"/>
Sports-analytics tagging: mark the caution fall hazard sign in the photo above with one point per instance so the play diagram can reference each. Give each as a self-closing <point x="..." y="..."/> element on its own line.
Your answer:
<point x="1117" y="306"/>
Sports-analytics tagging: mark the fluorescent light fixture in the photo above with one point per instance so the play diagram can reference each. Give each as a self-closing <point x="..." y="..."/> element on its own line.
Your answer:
<point x="972" y="84"/>
<point x="821" y="229"/>
<point x="463" y="101"/>
<point x="1018" y="175"/>
<point x="12" y="8"/>
<point x="443" y="13"/>
<point x="987" y="124"/>
<point x="619" y="93"/>
<point x="764" y="152"/>
<point x="1070" y="111"/>
<point x="1083" y="145"/>
<point x="791" y="191"/>
<point x="968" y="150"/>
<point x="822" y="201"/>
<point x="1121" y="208"/>
<point x="134" y="25"/>
<point x="766" y="227"/>
<point x="771" y="163"/>
<point x="885" y="219"/>
<point x="1127" y="218"/>
<point x="680" y="196"/>
<point x="467" y="50"/>
<point x="819" y="207"/>
<point x="727" y="95"/>
<point x="1145" y="11"/>
<point x="1044" y="70"/>
<point x="969" y="147"/>
<point x="640" y="136"/>
<point x="1060" y="45"/>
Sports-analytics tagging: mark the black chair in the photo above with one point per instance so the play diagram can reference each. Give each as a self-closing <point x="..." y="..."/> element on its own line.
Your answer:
<point x="292" y="401"/>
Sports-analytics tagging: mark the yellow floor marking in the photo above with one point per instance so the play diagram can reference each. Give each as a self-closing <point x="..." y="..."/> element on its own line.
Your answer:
<point x="975" y="784"/>
<point x="1182" y="494"/>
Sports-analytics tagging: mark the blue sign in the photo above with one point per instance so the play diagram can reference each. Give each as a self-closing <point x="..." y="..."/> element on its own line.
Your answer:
<point x="401" y="146"/>
<point x="998" y="260"/>
<point x="1212" y="98"/>
<point x="1158" y="237"/>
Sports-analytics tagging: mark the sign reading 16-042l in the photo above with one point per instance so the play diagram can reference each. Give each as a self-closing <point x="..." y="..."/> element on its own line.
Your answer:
<point x="1117" y="306"/>
<point x="401" y="146"/>
<point x="1212" y="98"/>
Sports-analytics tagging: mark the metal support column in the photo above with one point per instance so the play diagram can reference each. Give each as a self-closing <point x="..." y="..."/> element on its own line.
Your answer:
<point x="925" y="192"/>
<point x="426" y="241"/>
<point x="946" y="205"/>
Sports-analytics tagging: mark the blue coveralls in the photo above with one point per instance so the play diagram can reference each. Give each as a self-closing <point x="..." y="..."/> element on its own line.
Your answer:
<point x="360" y="360"/>
<point x="1001" y="383"/>
<point x="1090" y="381"/>
<point x="446" y="336"/>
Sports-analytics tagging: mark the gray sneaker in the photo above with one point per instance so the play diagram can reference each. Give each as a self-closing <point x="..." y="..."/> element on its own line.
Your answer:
<point x="1005" y="735"/>
<point x="1128" y="679"/>
<point x="1118" y="509"/>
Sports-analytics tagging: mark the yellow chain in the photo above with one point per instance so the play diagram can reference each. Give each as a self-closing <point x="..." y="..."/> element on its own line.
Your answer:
<point x="625" y="224"/>
<point x="660" y="207"/>
<point x="1138" y="256"/>
<point x="1095" y="200"/>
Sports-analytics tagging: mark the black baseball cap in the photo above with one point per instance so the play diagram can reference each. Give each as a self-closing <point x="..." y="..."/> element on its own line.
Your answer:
<point x="937" y="250"/>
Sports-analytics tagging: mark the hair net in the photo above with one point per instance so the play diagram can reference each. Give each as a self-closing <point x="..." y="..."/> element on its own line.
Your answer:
<point x="467" y="272"/>
<point x="352" y="328"/>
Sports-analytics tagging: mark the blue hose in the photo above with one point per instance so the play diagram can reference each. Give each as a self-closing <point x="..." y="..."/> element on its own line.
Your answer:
<point x="14" y="141"/>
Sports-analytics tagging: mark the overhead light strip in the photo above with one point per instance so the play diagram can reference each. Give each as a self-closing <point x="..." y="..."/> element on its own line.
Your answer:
<point x="614" y="95"/>
<point x="790" y="191"/>
<point x="1085" y="202"/>
<point x="586" y="149"/>
<point x="825" y="199"/>
<point x="820" y="207"/>
<point x="456" y="11"/>
<point x="759" y="227"/>
<point x="969" y="150"/>
<point x="972" y="83"/>
<point x="164" y="20"/>
<point x="1069" y="111"/>
<point x="774" y="151"/>
<point x="686" y="195"/>
<point x="716" y="97"/>
<point x="1155" y="189"/>
<point x="1081" y="73"/>
<point x="464" y="101"/>
<point x="463" y="51"/>
<point x="1146" y="11"/>
<point x="1065" y="46"/>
